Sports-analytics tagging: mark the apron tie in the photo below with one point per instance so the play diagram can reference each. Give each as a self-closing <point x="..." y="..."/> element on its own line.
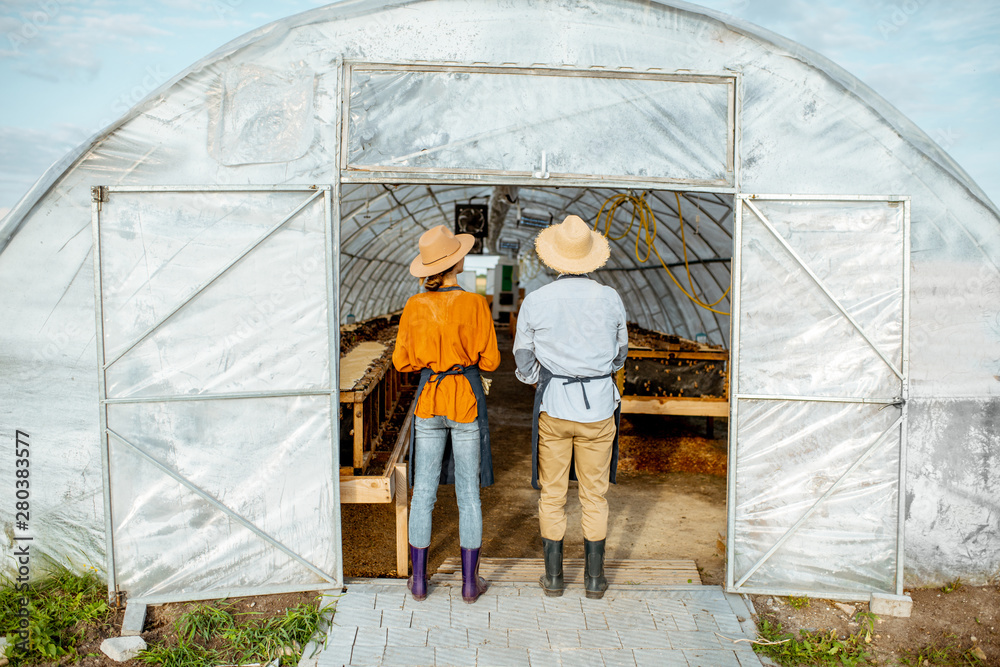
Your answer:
<point x="583" y="387"/>
<point x="568" y="379"/>
<point x="436" y="378"/>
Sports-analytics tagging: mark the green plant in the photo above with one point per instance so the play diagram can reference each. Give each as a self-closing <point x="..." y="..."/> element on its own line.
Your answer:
<point x="184" y="654"/>
<point x="213" y="634"/>
<point x="952" y="586"/>
<point x="798" y="603"/>
<point x="810" y="648"/>
<point x="203" y="621"/>
<point x="945" y="652"/>
<point x="866" y="620"/>
<point x="57" y="606"/>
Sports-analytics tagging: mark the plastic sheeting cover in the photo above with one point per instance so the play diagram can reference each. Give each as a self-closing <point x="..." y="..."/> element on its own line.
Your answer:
<point x="790" y="453"/>
<point x="260" y="326"/>
<point x="266" y="116"/>
<point x="170" y="540"/>
<point x="254" y="325"/>
<point x="791" y="448"/>
<point x="784" y="309"/>
<point x="501" y="122"/>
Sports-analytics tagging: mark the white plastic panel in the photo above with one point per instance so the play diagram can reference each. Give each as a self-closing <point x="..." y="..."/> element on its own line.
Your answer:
<point x="471" y="120"/>
<point x="262" y="325"/>
<point x="818" y="428"/>
<point x="784" y="309"/>
<point x="790" y="453"/>
<point x="169" y="540"/>
<point x="207" y="296"/>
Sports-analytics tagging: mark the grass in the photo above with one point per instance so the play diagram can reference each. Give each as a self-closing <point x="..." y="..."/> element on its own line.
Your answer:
<point x="60" y="606"/>
<point x="815" y="648"/>
<point x="943" y="653"/>
<point x="64" y="605"/>
<point x="214" y="634"/>
<point x="952" y="586"/>
<point x="798" y="603"/>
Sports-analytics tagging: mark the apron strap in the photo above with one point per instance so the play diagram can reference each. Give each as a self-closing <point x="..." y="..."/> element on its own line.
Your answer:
<point x="569" y="379"/>
<point x="436" y="378"/>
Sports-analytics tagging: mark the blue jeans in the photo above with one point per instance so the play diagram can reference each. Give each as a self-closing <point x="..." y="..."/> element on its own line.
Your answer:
<point x="429" y="444"/>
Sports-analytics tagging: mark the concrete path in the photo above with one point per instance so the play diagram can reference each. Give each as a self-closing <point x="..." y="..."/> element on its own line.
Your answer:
<point x="378" y="623"/>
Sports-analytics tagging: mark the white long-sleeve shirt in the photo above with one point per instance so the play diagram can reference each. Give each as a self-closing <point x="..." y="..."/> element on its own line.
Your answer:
<point x="573" y="326"/>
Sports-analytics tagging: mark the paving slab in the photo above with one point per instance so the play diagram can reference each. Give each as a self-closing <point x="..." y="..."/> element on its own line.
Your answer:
<point x="377" y="623"/>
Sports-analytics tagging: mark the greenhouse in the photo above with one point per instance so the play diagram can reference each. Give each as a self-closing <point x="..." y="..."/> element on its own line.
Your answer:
<point x="176" y="287"/>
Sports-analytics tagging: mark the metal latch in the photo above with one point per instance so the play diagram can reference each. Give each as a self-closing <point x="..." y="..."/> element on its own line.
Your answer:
<point x="99" y="195"/>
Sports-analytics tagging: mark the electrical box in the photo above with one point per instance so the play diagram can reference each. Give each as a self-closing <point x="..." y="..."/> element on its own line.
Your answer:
<point x="505" y="288"/>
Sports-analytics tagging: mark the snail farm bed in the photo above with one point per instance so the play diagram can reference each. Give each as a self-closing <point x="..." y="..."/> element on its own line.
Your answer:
<point x="375" y="413"/>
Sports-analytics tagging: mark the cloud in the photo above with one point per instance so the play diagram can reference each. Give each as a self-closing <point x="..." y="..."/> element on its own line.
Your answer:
<point x="25" y="154"/>
<point x="62" y="42"/>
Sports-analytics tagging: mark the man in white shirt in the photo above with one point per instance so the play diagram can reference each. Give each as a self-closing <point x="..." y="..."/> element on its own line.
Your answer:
<point x="571" y="338"/>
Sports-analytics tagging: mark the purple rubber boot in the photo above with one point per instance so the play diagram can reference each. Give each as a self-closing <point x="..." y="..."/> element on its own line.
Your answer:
<point x="418" y="582"/>
<point x="472" y="584"/>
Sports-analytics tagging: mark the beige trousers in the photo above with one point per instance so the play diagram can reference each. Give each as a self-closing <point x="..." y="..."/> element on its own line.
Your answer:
<point x="590" y="445"/>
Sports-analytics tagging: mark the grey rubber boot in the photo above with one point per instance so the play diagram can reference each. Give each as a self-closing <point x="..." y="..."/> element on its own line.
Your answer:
<point x="594" y="581"/>
<point x="552" y="580"/>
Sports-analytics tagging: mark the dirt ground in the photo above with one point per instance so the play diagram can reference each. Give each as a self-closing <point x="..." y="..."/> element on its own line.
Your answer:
<point x="961" y="627"/>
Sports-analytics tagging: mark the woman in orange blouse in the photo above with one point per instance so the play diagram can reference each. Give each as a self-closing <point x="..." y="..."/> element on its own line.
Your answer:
<point x="447" y="335"/>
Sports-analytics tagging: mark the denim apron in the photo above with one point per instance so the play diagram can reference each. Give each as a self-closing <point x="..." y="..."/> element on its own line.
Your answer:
<point x="544" y="377"/>
<point x="471" y="374"/>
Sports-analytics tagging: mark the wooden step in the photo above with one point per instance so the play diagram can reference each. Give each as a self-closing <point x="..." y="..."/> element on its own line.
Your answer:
<point x="628" y="572"/>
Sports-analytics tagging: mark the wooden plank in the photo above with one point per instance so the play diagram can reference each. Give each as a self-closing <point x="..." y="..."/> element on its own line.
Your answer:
<point x="360" y="364"/>
<point x="402" y="440"/>
<point x="454" y="563"/>
<point x="720" y="355"/>
<point x="368" y="489"/>
<point x="619" y="572"/>
<point x="359" y="434"/>
<point x="402" y="495"/>
<point x="662" y="405"/>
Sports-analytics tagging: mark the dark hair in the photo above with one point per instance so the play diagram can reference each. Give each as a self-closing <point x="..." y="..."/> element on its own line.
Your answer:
<point x="432" y="283"/>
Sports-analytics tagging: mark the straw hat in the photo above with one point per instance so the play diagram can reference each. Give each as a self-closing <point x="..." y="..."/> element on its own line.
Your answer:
<point x="572" y="247"/>
<point x="440" y="249"/>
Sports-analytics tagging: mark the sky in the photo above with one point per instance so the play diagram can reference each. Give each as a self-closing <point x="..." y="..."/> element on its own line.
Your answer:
<point x="68" y="68"/>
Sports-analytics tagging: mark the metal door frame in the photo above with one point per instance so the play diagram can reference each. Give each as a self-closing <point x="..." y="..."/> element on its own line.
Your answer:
<point x="902" y="372"/>
<point x="331" y="213"/>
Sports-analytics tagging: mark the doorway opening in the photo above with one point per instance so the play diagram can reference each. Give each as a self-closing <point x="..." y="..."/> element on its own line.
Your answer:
<point x="668" y="251"/>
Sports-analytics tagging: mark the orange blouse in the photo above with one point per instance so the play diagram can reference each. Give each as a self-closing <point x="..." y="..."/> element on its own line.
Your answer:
<point x="441" y="329"/>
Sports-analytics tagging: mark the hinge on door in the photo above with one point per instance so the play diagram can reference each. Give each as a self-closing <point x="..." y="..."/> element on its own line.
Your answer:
<point x="99" y="195"/>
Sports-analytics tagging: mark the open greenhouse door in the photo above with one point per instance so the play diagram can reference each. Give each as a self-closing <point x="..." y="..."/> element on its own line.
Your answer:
<point x="818" y="403"/>
<point x="216" y="323"/>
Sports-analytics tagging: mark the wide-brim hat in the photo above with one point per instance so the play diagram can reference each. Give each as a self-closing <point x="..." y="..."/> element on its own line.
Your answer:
<point x="572" y="247"/>
<point x="440" y="249"/>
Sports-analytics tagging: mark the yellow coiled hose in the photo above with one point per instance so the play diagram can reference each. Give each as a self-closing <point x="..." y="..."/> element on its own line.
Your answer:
<point x="647" y="231"/>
